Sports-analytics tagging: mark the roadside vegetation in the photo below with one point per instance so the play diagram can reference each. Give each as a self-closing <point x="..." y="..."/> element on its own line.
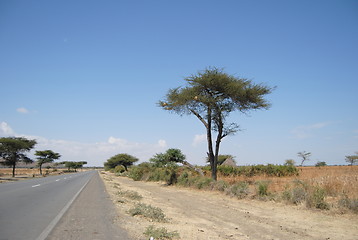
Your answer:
<point x="323" y="187"/>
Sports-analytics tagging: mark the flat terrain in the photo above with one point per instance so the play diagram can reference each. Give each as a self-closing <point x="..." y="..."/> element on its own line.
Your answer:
<point x="207" y="215"/>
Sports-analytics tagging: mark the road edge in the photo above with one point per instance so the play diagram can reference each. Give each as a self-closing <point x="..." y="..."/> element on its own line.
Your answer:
<point x="53" y="223"/>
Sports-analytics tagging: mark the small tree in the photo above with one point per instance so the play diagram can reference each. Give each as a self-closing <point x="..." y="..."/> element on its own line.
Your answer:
<point x="305" y="156"/>
<point x="123" y="159"/>
<point x="352" y="159"/>
<point x="321" y="164"/>
<point x="46" y="156"/>
<point x="211" y="96"/>
<point x="73" y="165"/>
<point x="13" y="149"/>
<point x="172" y="156"/>
<point x="290" y="162"/>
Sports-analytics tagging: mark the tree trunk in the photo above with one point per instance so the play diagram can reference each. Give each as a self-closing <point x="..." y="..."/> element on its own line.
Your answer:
<point x="13" y="169"/>
<point x="40" y="170"/>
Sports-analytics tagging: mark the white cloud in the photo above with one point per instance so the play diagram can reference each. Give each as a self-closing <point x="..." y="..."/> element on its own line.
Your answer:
<point x="22" y="110"/>
<point x="198" y="139"/>
<point x="303" y="132"/>
<point x="94" y="153"/>
<point x="5" y="130"/>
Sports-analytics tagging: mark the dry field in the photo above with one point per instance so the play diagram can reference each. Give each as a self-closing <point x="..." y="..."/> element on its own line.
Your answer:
<point x="335" y="180"/>
<point x="203" y="215"/>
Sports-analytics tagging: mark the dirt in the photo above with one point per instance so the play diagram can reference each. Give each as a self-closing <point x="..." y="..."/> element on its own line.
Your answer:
<point x="197" y="214"/>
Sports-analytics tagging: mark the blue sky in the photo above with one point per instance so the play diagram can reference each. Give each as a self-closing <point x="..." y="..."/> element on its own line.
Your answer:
<point x="84" y="77"/>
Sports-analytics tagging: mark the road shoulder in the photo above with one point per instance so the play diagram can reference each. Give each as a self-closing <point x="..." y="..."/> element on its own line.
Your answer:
<point x="91" y="216"/>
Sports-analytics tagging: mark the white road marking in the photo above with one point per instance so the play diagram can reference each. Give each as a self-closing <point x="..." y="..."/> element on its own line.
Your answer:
<point x="57" y="180"/>
<point x="36" y="185"/>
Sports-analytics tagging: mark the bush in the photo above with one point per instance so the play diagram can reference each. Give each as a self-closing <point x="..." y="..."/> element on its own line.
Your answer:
<point x="262" y="189"/>
<point x="147" y="211"/>
<point x="221" y="185"/>
<point x="136" y="173"/>
<point x="119" y="169"/>
<point x="130" y="194"/>
<point x="351" y="204"/>
<point x="250" y="171"/>
<point x="183" y="179"/>
<point x="239" y="190"/>
<point x="160" y="233"/>
<point x="316" y="199"/>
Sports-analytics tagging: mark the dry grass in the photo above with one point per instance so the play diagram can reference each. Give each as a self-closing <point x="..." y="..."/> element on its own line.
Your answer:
<point x="335" y="180"/>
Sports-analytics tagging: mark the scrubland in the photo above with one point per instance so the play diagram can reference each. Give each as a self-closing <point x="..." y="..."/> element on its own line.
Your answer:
<point x="179" y="204"/>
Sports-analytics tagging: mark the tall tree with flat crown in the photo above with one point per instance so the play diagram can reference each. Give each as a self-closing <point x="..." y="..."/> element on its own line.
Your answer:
<point x="13" y="150"/>
<point x="46" y="156"/>
<point x="211" y="95"/>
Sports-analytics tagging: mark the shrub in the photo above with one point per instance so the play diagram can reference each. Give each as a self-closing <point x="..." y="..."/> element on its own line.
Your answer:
<point x="203" y="182"/>
<point x="119" y="169"/>
<point x="250" y="171"/>
<point x="130" y="194"/>
<point x="239" y="190"/>
<point x="298" y="195"/>
<point x="160" y="233"/>
<point x="316" y="199"/>
<point x="147" y="211"/>
<point x="183" y="179"/>
<point x="262" y="189"/>
<point x="220" y="185"/>
<point x="351" y="204"/>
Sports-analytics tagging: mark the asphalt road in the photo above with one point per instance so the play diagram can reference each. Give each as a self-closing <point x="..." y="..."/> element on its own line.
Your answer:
<point x="31" y="209"/>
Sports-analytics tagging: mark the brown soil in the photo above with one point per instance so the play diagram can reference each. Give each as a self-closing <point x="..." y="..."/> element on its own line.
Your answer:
<point x="196" y="214"/>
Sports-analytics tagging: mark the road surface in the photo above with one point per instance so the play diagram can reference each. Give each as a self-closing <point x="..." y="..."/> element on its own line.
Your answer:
<point x="31" y="209"/>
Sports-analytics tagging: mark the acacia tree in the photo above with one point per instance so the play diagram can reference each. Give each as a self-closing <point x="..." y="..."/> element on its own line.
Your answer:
<point x="123" y="159"/>
<point x="73" y="165"/>
<point x="211" y="95"/>
<point x="46" y="156"/>
<point x="352" y="159"/>
<point x="172" y="156"/>
<point x="305" y="156"/>
<point x="13" y="150"/>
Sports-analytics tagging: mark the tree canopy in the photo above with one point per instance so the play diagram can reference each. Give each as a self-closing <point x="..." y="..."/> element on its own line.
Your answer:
<point x="352" y="159"/>
<point x="13" y="150"/>
<point x="211" y="95"/>
<point x="46" y="156"/>
<point x="171" y="156"/>
<point x="123" y="159"/>
<point x="305" y="156"/>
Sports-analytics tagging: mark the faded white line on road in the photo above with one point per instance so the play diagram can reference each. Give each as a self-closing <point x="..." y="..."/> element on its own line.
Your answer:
<point x="57" y="180"/>
<point x="36" y="185"/>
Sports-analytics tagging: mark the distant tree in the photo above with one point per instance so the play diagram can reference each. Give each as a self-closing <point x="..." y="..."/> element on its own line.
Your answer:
<point x="211" y="95"/>
<point x="352" y="159"/>
<point x="74" y="165"/>
<point x="46" y="156"/>
<point x="123" y="159"/>
<point x="290" y="162"/>
<point x="13" y="149"/>
<point x="170" y="157"/>
<point x="321" y="164"/>
<point x="305" y="156"/>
